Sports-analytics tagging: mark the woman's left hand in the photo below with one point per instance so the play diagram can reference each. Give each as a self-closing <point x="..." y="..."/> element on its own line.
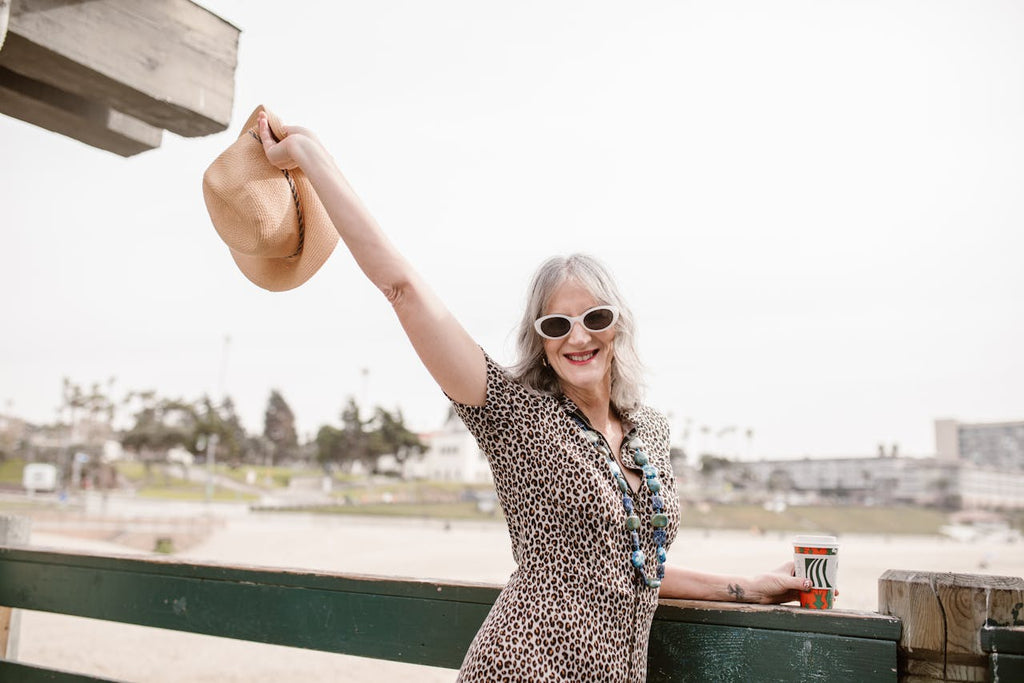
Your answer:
<point x="776" y="586"/>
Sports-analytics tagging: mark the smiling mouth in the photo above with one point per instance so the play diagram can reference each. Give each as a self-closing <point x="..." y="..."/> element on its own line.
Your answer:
<point x="580" y="358"/>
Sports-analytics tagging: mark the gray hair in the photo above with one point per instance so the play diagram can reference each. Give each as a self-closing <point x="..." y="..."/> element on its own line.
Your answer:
<point x="530" y="369"/>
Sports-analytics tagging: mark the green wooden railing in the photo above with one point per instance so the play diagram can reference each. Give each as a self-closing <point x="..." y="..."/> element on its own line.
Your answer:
<point x="421" y="622"/>
<point x="933" y="626"/>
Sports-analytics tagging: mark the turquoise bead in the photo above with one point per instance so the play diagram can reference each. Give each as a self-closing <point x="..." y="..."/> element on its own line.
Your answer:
<point x="659" y="520"/>
<point x="632" y="522"/>
<point x="650" y="472"/>
<point x="653" y="583"/>
<point x="662" y="555"/>
<point x="637" y="558"/>
<point x="654" y="485"/>
<point x="623" y="486"/>
<point x="640" y="458"/>
<point x="614" y="467"/>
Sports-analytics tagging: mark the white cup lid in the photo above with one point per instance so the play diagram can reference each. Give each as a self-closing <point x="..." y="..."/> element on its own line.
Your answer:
<point x="816" y="541"/>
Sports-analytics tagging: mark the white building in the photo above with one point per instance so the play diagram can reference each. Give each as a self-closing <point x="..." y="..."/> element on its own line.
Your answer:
<point x="977" y="466"/>
<point x="451" y="455"/>
<point x="987" y="444"/>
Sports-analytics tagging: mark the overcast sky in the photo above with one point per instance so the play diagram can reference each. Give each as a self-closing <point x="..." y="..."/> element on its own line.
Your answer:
<point x="814" y="207"/>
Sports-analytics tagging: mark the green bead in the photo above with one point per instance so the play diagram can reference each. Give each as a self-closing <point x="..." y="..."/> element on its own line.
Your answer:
<point x="640" y="458"/>
<point x="654" y="485"/>
<point x="623" y="486"/>
<point x="637" y="558"/>
<point x="653" y="583"/>
<point x="659" y="520"/>
<point x="632" y="522"/>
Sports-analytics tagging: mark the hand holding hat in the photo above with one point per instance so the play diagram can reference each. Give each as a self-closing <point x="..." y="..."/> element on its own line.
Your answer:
<point x="272" y="220"/>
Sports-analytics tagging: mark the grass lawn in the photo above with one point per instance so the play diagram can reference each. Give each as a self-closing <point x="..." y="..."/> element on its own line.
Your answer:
<point x="278" y="477"/>
<point x="825" y="519"/>
<point x="190" y="491"/>
<point x="466" y="510"/>
<point x="11" y="470"/>
<point x="162" y="484"/>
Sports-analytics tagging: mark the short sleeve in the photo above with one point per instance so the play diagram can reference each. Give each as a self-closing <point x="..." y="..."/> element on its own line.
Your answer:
<point x="494" y="424"/>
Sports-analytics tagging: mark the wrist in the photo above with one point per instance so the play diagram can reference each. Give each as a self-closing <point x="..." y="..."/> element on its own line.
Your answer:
<point x="738" y="590"/>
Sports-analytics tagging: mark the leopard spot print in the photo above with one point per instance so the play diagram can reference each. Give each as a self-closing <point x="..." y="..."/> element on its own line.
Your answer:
<point x="574" y="609"/>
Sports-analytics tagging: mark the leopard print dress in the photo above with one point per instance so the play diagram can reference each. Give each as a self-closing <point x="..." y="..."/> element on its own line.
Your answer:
<point x="574" y="609"/>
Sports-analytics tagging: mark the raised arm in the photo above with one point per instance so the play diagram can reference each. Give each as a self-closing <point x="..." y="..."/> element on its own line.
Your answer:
<point x="450" y="355"/>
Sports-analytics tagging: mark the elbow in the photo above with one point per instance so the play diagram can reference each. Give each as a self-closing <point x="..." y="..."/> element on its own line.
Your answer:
<point x="397" y="293"/>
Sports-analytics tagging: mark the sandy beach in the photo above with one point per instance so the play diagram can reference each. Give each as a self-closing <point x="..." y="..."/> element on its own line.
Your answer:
<point x="426" y="549"/>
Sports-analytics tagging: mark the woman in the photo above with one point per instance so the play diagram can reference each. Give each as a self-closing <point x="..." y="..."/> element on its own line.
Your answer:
<point x="581" y="466"/>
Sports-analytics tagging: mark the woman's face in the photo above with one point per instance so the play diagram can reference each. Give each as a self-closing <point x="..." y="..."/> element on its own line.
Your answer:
<point x="583" y="359"/>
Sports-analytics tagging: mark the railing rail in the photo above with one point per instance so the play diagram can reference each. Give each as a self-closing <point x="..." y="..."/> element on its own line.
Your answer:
<point x="419" y="621"/>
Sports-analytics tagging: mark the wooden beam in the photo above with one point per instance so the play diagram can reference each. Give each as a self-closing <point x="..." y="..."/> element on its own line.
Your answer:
<point x="76" y="117"/>
<point x="944" y="616"/>
<point x="14" y="530"/>
<point x="5" y="15"/>
<point x="168" y="63"/>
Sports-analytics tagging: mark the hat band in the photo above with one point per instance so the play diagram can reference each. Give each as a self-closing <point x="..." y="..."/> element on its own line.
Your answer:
<point x="295" y="198"/>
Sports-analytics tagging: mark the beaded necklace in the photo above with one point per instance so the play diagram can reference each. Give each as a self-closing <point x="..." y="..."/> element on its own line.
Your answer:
<point x="659" y="520"/>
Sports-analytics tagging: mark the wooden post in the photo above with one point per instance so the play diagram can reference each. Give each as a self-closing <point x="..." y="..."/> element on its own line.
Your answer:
<point x="5" y="17"/>
<point x="943" y="615"/>
<point x="13" y="531"/>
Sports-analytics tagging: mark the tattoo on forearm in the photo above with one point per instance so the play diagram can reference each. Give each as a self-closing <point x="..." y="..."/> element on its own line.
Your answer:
<point x="736" y="591"/>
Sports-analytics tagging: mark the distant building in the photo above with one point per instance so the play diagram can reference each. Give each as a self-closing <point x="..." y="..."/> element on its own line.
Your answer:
<point x="451" y="455"/>
<point x="886" y="481"/>
<point x="986" y="444"/>
<point x="977" y="466"/>
<point x="867" y="480"/>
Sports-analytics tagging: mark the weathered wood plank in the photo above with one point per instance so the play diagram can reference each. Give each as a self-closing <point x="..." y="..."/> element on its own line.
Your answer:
<point x="479" y="593"/>
<point x="850" y="623"/>
<point x="84" y="120"/>
<point x="5" y="15"/>
<point x="683" y="652"/>
<point x="14" y="530"/>
<point x="170" y="64"/>
<point x="15" y="672"/>
<point x="1004" y="639"/>
<point x="1006" y="668"/>
<point x="330" y="617"/>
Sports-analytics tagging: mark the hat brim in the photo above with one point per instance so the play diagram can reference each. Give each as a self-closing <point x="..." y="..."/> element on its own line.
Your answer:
<point x="239" y="188"/>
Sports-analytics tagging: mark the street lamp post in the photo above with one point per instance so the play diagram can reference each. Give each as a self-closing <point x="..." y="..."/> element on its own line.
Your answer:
<point x="213" y="439"/>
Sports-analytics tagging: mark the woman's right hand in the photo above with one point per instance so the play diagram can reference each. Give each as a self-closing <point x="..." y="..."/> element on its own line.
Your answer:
<point x="293" y="150"/>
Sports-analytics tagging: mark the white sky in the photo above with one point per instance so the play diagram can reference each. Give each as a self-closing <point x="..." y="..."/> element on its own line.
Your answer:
<point x="814" y="207"/>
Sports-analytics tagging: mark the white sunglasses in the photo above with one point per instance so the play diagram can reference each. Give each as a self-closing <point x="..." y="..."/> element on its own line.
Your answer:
<point x="557" y="326"/>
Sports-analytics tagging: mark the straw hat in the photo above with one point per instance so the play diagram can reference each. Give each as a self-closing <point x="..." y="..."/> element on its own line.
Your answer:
<point x="272" y="220"/>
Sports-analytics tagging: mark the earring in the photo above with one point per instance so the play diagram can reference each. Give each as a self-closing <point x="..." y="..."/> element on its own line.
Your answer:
<point x="544" y="361"/>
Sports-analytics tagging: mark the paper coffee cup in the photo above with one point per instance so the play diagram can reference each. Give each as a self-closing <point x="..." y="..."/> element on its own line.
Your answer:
<point x="816" y="558"/>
